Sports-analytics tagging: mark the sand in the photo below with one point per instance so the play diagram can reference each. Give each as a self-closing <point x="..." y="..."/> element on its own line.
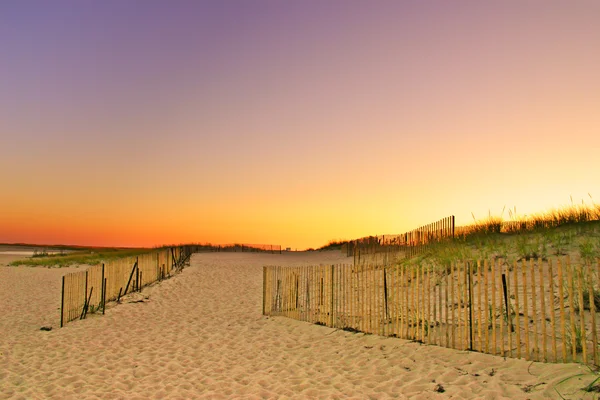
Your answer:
<point x="201" y="334"/>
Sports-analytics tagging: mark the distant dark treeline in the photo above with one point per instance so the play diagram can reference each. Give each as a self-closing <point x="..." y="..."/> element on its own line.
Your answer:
<point x="240" y="248"/>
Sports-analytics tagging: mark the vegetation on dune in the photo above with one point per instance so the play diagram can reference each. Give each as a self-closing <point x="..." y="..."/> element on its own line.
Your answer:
<point x="333" y="245"/>
<point x="582" y="240"/>
<point x="84" y="256"/>
<point x="573" y="230"/>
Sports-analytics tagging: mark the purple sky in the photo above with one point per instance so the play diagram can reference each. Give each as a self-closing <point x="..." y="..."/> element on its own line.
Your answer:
<point x="290" y="122"/>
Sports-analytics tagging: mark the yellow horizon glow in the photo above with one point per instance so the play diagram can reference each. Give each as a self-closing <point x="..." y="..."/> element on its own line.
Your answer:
<point x="293" y="126"/>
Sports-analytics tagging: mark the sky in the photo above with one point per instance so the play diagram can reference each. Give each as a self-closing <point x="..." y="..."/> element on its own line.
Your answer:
<point x="142" y="123"/>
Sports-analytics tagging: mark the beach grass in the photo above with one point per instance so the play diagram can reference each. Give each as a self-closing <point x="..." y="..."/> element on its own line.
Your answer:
<point x="90" y="256"/>
<point x="572" y="230"/>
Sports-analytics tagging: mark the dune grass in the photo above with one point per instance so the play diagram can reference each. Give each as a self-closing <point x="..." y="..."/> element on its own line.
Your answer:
<point x="333" y="245"/>
<point x="79" y="257"/>
<point x="573" y="230"/>
<point x="579" y="239"/>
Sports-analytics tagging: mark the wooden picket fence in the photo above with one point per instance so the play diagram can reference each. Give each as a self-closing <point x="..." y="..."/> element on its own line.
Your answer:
<point x="384" y="248"/>
<point x="542" y="310"/>
<point x="89" y="290"/>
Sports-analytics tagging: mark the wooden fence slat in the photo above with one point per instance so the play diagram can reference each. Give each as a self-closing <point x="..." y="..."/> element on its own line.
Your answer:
<point x="399" y="302"/>
<point x="404" y="306"/>
<point x="479" y="306"/>
<point x="525" y="309"/>
<point x="471" y="300"/>
<point x="381" y="301"/>
<point x="516" y="294"/>
<point x="466" y="307"/>
<point x="486" y="316"/>
<point x="371" y="272"/>
<point x="345" y="289"/>
<point x="459" y="307"/>
<point x="308" y="298"/>
<point x="373" y="295"/>
<point x="346" y="302"/>
<point x="413" y="326"/>
<point x="310" y="294"/>
<point x="317" y="294"/>
<point x="536" y="350"/>
<point x="423" y="309"/>
<point x="591" y="296"/>
<point x="384" y="300"/>
<point x="264" y="307"/>
<point x="503" y="313"/>
<point x="356" y="303"/>
<point x="561" y="300"/>
<point x="357" y="298"/>
<point x="429" y="325"/>
<point x="440" y="310"/>
<point x="332" y="294"/>
<point x="307" y="287"/>
<point x="377" y="300"/>
<point x="493" y="321"/>
<point x="367" y="298"/>
<point x="435" y="317"/>
<point x="453" y="320"/>
<point x="421" y="302"/>
<point x="416" y="305"/>
<point x="572" y="325"/>
<point x="396" y="301"/>
<point x="364" y="298"/>
<point x="544" y="355"/>
<point x="552" y="313"/>
<point x="446" y="309"/>
<point x="281" y="297"/>
<point x="580" y="288"/>
<point x="341" y="288"/>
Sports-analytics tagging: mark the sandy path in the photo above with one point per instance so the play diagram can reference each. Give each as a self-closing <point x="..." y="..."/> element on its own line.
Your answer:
<point x="201" y="335"/>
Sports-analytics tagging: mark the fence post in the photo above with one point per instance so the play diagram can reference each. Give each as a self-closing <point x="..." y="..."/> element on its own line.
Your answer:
<point x="102" y="289"/>
<point x="104" y="297"/>
<point x="62" y="302"/>
<point x="264" y="290"/>
<point x="86" y="287"/>
<point x="137" y="275"/>
<point x="385" y="292"/>
<point x="130" y="277"/>
<point x="332" y="304"/>
<point x="86" y="304"/>
<point x="470" y="306"/>
<point x="505" y="290"/>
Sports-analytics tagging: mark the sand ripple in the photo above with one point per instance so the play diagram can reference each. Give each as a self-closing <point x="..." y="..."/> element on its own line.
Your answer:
<point x="201" y="335"/>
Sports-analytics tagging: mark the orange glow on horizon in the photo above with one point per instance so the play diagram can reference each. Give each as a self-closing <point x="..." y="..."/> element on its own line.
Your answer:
<point x="296" y="125"/>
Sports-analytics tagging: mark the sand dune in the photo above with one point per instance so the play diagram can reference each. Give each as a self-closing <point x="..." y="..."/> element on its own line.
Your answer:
<point x="201" y="335"/>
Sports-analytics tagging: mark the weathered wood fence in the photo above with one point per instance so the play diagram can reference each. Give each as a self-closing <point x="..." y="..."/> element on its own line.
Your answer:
<point x="543" y="310"/>
<point x="242" y="248"/>
<point x="89" y="290"/>
<point x="381" y="249"/>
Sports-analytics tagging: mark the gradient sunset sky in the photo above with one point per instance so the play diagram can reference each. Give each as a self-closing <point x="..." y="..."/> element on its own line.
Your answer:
<point x="140" y="123"/>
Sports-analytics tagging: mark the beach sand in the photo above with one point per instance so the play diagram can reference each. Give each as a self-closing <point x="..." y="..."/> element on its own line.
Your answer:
<point x="201" y="334"/>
